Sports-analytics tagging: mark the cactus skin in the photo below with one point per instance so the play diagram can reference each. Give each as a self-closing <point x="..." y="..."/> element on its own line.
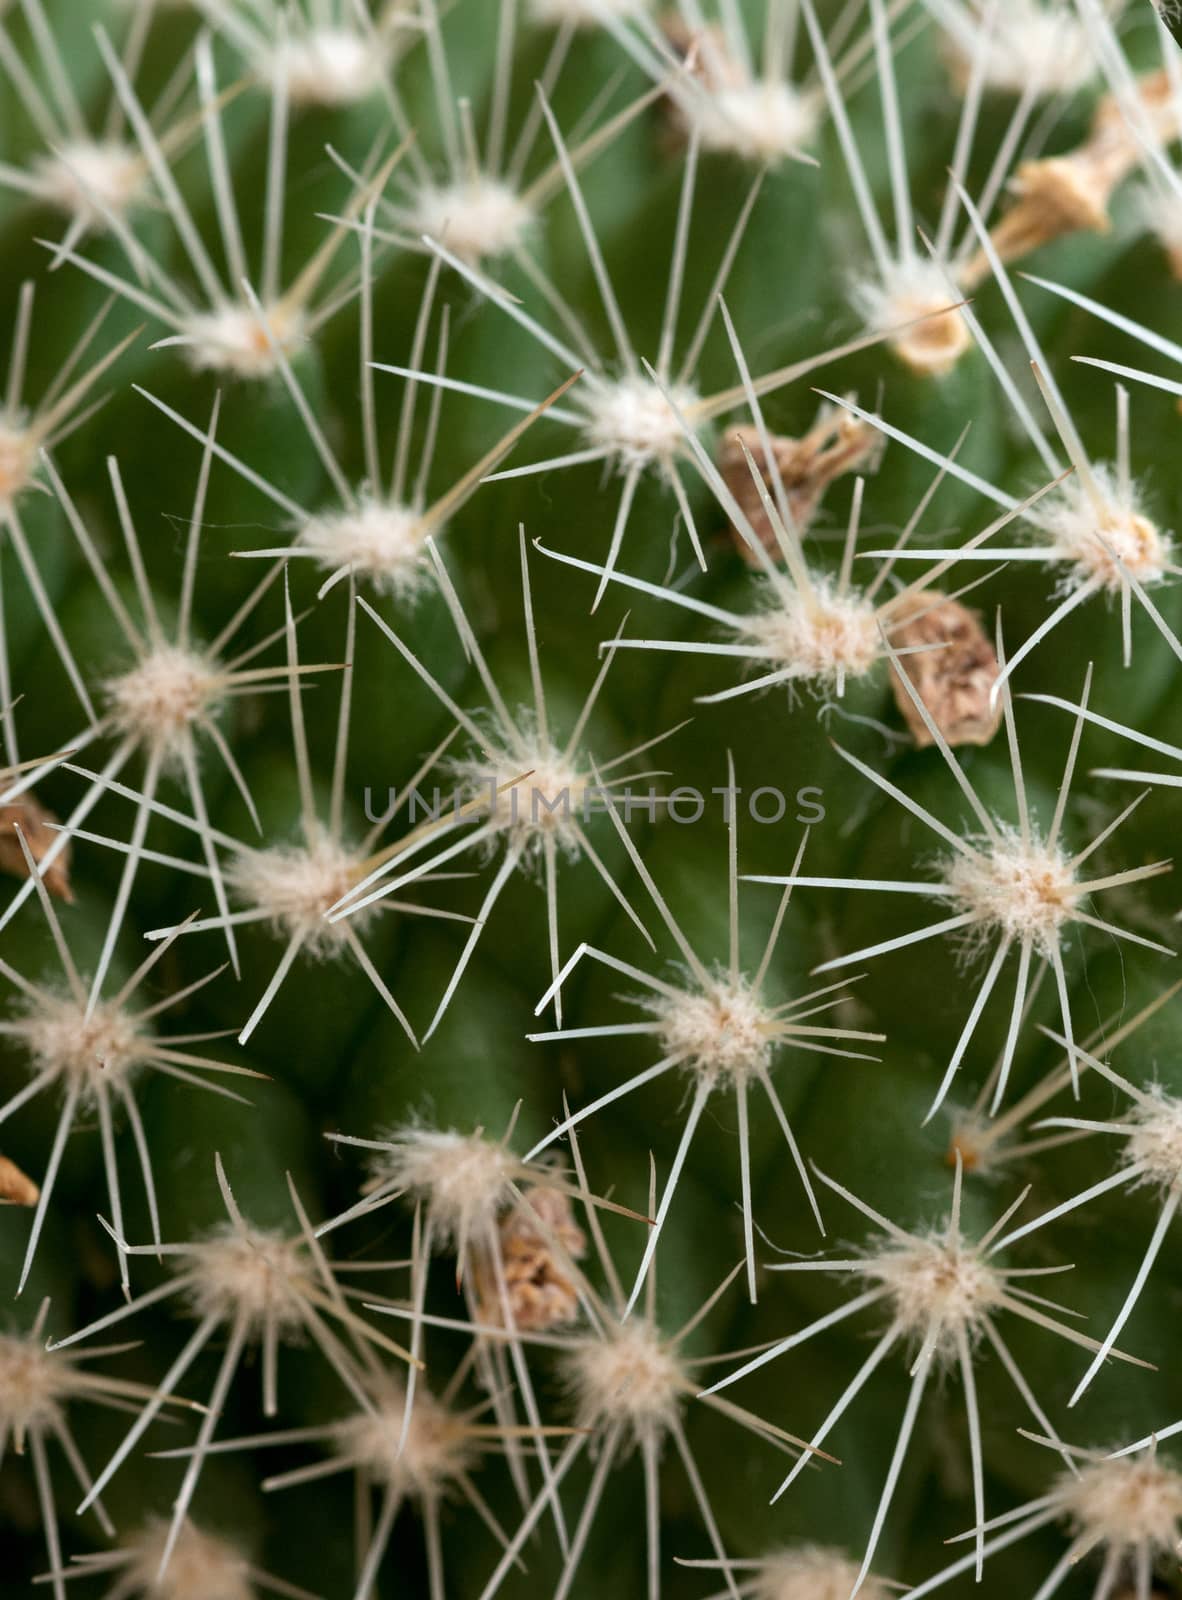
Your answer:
<point x="336" y="1060"/>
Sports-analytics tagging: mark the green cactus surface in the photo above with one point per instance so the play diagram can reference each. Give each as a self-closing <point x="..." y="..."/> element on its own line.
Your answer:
<point x="589" y="749"/>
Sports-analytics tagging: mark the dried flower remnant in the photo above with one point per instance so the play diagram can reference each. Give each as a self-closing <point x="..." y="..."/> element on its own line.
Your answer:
<point x="1058" y="195"/>
<point x="804" y="626"/>
<point x="836" y="444"/>
<point x="628" y="1384"/>
<point x="466" y="1189"/>
<point x="953" y="670"/>
<point x="1052" y="197"/>
<point x="1096" y="534"/>
<point x="634" y="417"/>
<point x="1145" y="111"/>
<point x="704" y="53"/>
<point x="29" y="818"/>
<point x="538" y="1290"/>
<point x="16" y="1187"/>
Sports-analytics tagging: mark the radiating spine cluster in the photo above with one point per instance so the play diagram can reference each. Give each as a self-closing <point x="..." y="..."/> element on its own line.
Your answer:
<point x="589" y="377"/>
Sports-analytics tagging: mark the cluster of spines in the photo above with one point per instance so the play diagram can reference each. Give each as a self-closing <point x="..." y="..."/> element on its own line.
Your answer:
<point x="1012" y="887"/>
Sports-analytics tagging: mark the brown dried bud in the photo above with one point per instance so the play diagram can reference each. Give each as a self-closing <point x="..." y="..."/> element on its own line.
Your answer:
<point x="1156" y="94"/>
<point x="34" y="821"/>
<point x="537" y="1285"/>
<point x="953" y="681"/>
<point x="837" y="443"/>
<point x="1067" y="194"/>
<point x="1052" y="198"/>
<point x="1164" y="126"/>
<point x="16" y="1187"/>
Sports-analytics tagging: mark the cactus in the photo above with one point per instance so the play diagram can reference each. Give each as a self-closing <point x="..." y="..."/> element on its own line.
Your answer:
<point x="588" y="664"/>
